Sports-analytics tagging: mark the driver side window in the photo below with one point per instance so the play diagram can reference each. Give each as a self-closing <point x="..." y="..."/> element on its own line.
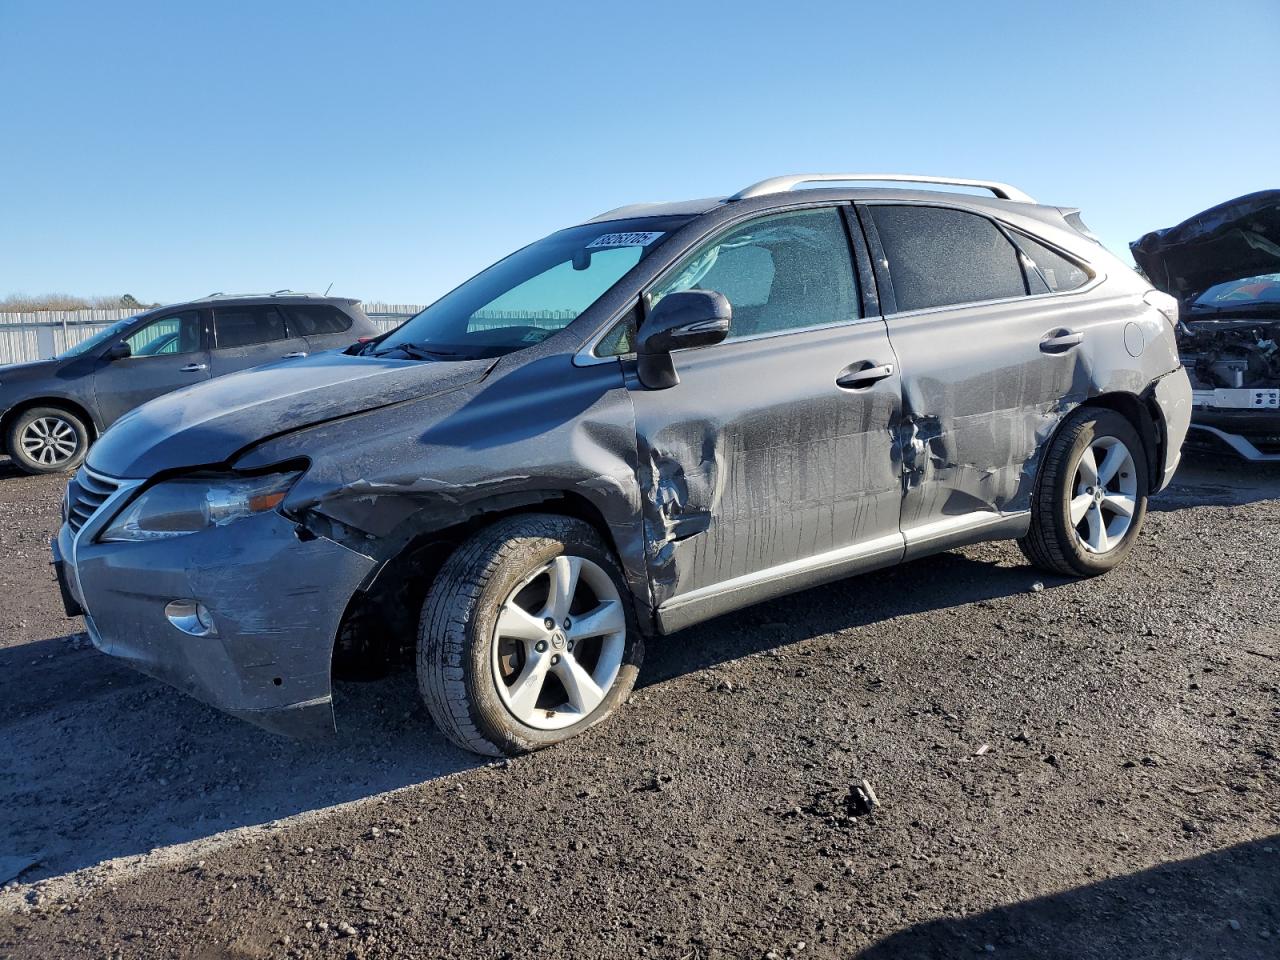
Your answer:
<point x="175" y="334"/>
<point x="787" y="271"/>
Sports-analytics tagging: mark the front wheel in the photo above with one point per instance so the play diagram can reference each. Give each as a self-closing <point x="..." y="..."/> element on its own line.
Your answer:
<point x="48" y="440"/>
<point x="1090" y="497"/>
<point x="527" y="636"/>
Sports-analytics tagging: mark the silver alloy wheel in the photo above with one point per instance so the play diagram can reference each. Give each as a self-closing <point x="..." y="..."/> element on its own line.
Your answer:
<point x="49" y="441"/>
<point x="558" y="643"/>
<point x="1106" y="495"/>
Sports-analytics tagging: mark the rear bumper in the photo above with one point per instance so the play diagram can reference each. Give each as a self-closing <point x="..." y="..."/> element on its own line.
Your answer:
<point x="277" y="604"/>
<point x="1172" y="394"/>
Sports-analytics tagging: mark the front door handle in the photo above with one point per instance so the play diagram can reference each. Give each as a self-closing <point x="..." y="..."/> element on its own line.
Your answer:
<point x="859" y="376"/>
<point x="295" y="355"/>
<point x="194" y="367"/>
<point x="1060" y="341"/>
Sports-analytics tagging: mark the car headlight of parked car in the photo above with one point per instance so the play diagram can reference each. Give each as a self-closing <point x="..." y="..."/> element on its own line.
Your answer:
<point x="178" y="507"/>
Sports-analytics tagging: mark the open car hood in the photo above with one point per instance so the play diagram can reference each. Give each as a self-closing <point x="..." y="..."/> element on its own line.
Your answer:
<point x="1236" y="239"/>
<point x="208" y="423"/>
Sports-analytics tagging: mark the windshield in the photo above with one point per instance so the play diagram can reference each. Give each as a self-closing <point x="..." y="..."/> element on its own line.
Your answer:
<point x="1263" y="288"/>
<point x="99" y="338"/>
<point x="531" y="294"/>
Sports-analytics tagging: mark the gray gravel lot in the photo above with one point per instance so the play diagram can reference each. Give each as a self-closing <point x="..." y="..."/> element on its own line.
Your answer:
<point x="1090" y="770"/>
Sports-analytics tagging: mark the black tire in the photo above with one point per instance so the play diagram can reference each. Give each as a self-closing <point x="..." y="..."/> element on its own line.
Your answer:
<point x="21" y="428"/>
<point x="456" y="632"/>
<point x="1052" y="542"/>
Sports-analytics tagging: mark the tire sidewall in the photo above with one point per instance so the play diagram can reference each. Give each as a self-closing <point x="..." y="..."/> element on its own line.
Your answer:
<point x="1096" y="424"/>
<point x="521" y="556"/>
<point x="19" y="456"/>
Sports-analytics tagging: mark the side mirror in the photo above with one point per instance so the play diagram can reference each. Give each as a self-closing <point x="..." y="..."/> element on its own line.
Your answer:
<point x="119" y="351"/>
<point x="690" y="318"/>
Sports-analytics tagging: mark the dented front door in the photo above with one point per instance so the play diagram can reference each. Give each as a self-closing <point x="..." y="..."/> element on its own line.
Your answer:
<point x="770" y="465"/>
<point x="758" y="458"/>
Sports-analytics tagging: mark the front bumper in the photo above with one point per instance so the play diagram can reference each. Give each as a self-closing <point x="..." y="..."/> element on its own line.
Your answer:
<point x="1252" y="434"/>
<point x="277" y="603"/>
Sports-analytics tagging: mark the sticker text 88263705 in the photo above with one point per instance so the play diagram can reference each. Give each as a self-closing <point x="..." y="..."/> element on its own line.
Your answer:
<point x="623" y="240"/>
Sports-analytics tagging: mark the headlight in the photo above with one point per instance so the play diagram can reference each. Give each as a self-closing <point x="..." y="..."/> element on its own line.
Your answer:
<point x="178" y="507"/>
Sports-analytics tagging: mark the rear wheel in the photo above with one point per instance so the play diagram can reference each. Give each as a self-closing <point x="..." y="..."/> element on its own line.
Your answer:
<point x="1091" y="495"/>
<point x="527" y="636"/>
<point x="48" y="440"/>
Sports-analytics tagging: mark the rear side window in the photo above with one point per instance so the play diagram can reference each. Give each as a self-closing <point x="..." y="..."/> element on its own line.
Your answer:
<point x="315" y="320"/>
<point x="939" y="256"/>
<point x="782" y="272"/>
<point x="1058" y="272"/>
<point x="245" y="326"/>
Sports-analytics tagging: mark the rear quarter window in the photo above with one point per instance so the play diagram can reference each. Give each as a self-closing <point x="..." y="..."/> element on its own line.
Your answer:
<point x="940" y="256"/>
<point x="315" y="320"/>
<point x="1059" y="272"/>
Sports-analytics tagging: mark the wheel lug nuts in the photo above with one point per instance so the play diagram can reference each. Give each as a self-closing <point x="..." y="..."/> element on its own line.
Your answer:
<point x="549" y="623"/>
<point x="555" y="659"/>
<point x="540" y="646"/>
<point x="567" y="623"/>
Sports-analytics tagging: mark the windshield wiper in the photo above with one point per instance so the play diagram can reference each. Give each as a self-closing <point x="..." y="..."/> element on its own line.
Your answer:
<point x="420" y="352"/>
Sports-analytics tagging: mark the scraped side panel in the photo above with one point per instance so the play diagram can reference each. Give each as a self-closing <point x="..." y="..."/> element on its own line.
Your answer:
<point x="982" y="397"/>
<point x="756" y="458"/>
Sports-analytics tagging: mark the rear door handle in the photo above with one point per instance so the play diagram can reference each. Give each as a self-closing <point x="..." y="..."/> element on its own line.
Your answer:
<point x="859" y="376"/>
<point x="194" y="367"/>
<point x="295" y="355"/>
<point x="1060" y="341"/>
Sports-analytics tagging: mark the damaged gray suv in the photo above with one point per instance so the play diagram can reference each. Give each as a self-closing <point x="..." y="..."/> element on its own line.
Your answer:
<point x="633" y="425"/>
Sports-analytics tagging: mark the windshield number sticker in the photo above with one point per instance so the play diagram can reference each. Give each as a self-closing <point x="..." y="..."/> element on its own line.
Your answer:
<point x="623" y="240"/>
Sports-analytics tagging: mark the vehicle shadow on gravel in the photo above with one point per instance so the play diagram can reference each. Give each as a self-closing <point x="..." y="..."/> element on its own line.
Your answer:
<point x="1222" y="904"/>
<point x="9" y="470"/>
<point x="1209" y="479"/>
<point x="98" y="762"/>
<point x="931" y="583"/>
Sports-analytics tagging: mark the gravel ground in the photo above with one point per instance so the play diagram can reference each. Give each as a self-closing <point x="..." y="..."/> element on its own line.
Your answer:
<point x="1088" y="770"/>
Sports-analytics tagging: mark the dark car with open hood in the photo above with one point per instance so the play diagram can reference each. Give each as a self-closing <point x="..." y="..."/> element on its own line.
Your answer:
<point x="52" y="410"/>
<point x="637" y="423"/>
<point x="1223" y="265"/>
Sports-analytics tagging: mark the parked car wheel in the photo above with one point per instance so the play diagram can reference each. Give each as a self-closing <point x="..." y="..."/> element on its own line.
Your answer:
<point x="527" y="636"/>
<point x="1091" y="495"/>
<point x="48" y="440"/>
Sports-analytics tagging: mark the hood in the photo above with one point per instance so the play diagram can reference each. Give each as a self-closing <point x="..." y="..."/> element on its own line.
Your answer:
<point x="208" y="423"/>
<point x="22" y="381"/>
<point x="1236" y="239"/>
<point x="13" y="372"/>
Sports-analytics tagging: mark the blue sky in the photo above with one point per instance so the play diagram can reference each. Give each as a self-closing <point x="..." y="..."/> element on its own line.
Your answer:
<point x="393" y="149"/>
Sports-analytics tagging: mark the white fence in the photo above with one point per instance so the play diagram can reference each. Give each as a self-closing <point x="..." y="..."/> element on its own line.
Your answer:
<point x="36" y="336"/>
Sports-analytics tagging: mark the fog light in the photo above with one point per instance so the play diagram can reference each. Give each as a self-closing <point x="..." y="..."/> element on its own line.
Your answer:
<point x="191" y="617"/>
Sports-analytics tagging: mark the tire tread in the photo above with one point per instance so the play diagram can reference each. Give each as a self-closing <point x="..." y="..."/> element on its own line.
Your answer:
<point x="1045" y="542"/>
<point x="443" y="636"/>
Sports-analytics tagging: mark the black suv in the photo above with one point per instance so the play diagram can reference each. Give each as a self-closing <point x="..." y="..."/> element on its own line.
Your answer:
<point x="51" y="410"/>
<point x="627" y="427"/>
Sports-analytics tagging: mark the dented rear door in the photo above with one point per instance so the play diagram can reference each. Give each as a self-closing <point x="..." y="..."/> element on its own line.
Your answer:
<point x="984" y="382"/>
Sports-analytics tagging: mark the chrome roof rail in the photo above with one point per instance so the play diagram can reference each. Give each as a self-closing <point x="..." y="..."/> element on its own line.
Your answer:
<point x="262" y="296"/>
<point x="782" y="184"/>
